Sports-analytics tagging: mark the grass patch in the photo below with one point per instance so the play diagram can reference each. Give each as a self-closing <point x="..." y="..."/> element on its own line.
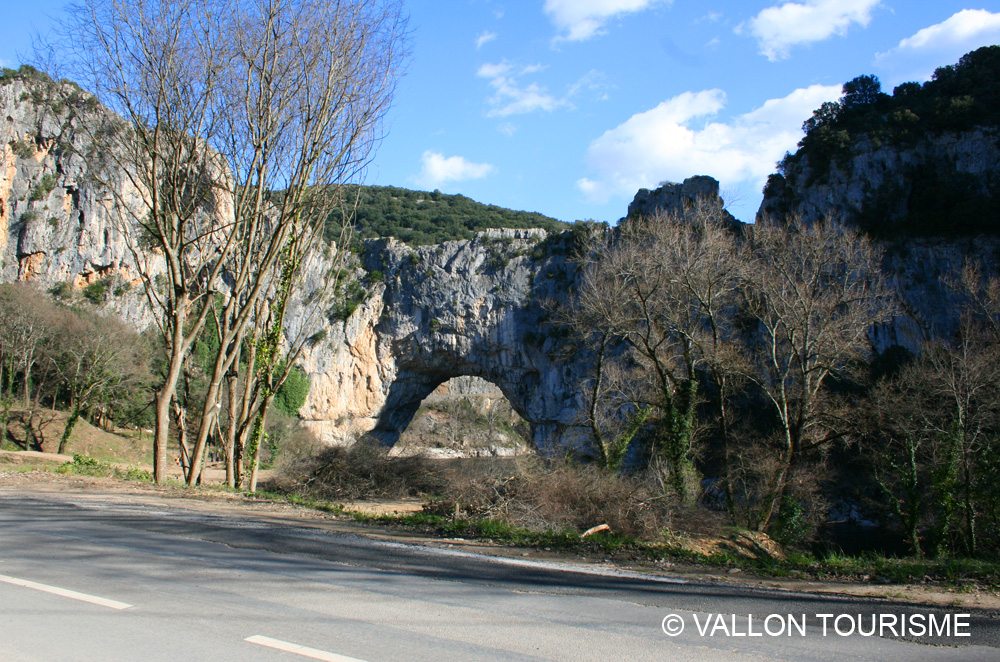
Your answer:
<point x="83" y="465"/>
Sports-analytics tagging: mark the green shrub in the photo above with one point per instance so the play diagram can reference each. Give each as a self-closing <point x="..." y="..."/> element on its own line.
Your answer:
<point x="96" y="292"/>
<point x="61" y="290"/>
<point x="292" y="393"/>
<point x="45" y="186"/>
<point x="348" y="301"/>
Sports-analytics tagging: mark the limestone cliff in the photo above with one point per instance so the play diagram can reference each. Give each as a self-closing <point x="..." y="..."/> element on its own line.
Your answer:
<point x="57" y="225"/>
<point x="480" y="308"/>
<point x="922" y="161"/>
<point x="883" y="190"/>
<point x="918" y="171"/>
<point x="935" y="185"/>
<point x="460" y="308"/>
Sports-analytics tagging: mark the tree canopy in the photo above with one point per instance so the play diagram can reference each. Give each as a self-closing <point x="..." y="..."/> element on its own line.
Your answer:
<point x="939" y="198"/>
<point x="421" y="217"/>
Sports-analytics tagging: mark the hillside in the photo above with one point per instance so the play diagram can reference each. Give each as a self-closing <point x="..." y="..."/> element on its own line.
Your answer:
<point x="420" y="218"/>
<point x="920" y="162"/>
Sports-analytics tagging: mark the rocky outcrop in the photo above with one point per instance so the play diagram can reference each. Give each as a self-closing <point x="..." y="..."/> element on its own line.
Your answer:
<point x="469" y="308"/>
<point x="934" y="184"/>
<point x="673" y="198"/>
<point x="478" y="308"/>
<point x="465" y="308"/>
<point x="931" y="202"/>
<point x="58" y="226"/>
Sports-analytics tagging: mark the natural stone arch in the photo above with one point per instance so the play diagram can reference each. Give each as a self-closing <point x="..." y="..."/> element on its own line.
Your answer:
<point x="463" y="416"/>
<point x="410" y="389"/>
<point x="460" y="308"/>
<point x="467" y="308"/>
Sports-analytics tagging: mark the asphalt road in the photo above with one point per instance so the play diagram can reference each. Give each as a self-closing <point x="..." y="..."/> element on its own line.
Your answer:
<point x="107" y="578"/>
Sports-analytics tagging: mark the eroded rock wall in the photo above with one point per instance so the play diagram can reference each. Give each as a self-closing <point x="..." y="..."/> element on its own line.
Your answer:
<point x="878" y="185"/>
<point x="465" y="308"/>
<point x="59" y="227"/>
<point x="928" y="202"/>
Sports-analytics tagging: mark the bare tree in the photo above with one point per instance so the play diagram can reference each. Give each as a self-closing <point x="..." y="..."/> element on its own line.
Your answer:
<point x="156" y="63"/>
<point x="25" y="316"/>
<point x="93" y="358"/>
<point x="661" y="285"/>
<point x="242" y="121"/>
<point x="815" y="291"/>
<point x="310" y="84"/>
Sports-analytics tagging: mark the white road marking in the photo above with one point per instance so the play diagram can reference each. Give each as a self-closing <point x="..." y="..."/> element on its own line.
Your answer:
<point x="304" y="651"/>
<point x="66" y="593"/>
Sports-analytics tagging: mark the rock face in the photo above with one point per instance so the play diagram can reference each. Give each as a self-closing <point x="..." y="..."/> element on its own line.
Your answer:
<point x="476" y="308"/>
<point x="471" y="308"/>
<point x="57" y="225"/>
<point x="673" y="198"/>
<point x="929" y="202"/>
<point x="465" y="308"/>
<point x="885" y="188"/>
<point x="479" y="308"/>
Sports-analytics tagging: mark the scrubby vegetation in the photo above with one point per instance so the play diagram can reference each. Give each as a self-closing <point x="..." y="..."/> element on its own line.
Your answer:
<point x="61" y="363"/>
<point x="750" y="384"/>
<point x="938" y="198"/>
<point x="532" y="502"/>
<point x="420" y="218"/>
<point x="71" y="358"/>
<point x="56" y="95"/>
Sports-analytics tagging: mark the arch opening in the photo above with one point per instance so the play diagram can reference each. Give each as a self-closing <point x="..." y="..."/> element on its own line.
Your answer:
<point x="461" y="416"/>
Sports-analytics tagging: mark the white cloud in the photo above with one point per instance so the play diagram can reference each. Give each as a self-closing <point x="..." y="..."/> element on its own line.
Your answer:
<point x="916" y="57"/>
<point x="494" y="70"/>
<point x="513" y="97"/>
<point x="674" y="141"/>
<point x="510" y="96"/>
<point x="485" y="38"/>
<point x="778" y="28"/>
<point x="594" y="82"/>
<point x="438" y="169"/>
<point x="578" y="20"/>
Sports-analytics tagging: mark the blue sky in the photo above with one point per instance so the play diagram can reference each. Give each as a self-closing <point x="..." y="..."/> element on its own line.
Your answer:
<point x="567" y="107"/>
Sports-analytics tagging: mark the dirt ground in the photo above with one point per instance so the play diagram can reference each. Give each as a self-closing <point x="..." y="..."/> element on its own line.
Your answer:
<point x="206" y="499"/>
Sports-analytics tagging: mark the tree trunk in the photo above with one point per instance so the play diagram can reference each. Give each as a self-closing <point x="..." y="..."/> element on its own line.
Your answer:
<point x="166" y="393"/>
<point x="70" y="424"/>
<point x="258" y="437"/>
<point x="256" y="441"/>
<point x="208" y="414"/>
<point x="163" y="398"/>
<point x="243" y="424"/>
<point x="181" y="422"/>
<point x="255" y="470"/>
<point x="27" y="383"/>
<point x="232" y="381"/>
